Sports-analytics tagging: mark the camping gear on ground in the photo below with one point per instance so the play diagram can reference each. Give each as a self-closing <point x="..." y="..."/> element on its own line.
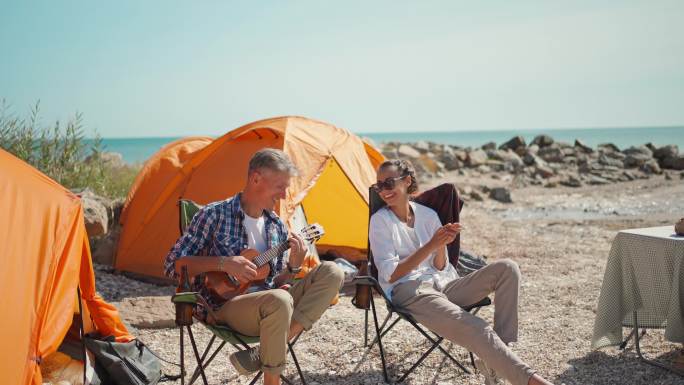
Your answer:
<point x="124" y="363"/>
<point x="46" y="260"/>
<point x="642" y="288"/>
<point x="224" y="333"/>
<point x="350" y="271"/>
<point x="335" y="168"/>
<point x="372" y="283"/>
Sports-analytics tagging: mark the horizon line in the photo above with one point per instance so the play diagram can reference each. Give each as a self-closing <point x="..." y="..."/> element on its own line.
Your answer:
<point x="417" y="131"/>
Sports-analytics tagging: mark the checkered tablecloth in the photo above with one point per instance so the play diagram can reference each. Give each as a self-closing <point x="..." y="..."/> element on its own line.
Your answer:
<point x="645" y="272"/>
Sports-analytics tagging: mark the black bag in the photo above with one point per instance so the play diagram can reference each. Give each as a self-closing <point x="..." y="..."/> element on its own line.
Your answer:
<point x="124" y="363"/>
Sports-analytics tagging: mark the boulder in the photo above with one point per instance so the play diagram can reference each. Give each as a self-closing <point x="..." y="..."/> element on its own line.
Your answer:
<point x="544" y="171"/>
<point x="677" y="163"/>
<point x="597" y="180"/>
<point x="510" y="158"/>
<point x="608" y="147"/>
<point x="669" y="151"/>
<point x="407" y="151"/>
<point x="636" y="160"/>
<point x="571" y="181"/>
<point x="489" y="146"/>
<point x="640" y="150"/>
<point x="583" y="147"/>
<point x="501" y="194"/>
<point x="608" y="161"/>
<point x="551" y="154"/>
<point x="516" y="143"/>
<point x="476" y="158"/>
<point x="542" y="141"/>
<point x="96" y="216"/>
<point x="450" y="160"/>
<point x="651" y="167"/>
<point x="422" y="146"/>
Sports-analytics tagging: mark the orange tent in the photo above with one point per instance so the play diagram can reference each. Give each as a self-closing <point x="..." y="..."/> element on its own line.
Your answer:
<point x="45" y="258"/>
<point x="336" y="167"/>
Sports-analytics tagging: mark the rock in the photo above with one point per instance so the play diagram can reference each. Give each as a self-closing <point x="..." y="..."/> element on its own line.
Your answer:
<point x="542" y="141"/>
<point x="607" y="161"/>
<point x="461" y="155"/>
<point x="532" y="149"/>
<point x="489" y="146"/>
<point x="147" y="312"/>
<point x="476" y="196"/>
<point x="650" y="146"/>
<point x="677" y="163"/>
<point x="608" y="147"/>
<point x="531" y="159"/>
<point x="484" y="168"/>
<point x="597" y="180"/>
<point x="583" y="147"/>
<point x="509" y="158"/>
<point x="103" y="249"/>
<point x="629" y="175"/>
<point x="569" y="151"/>
<point x="669" y="151"/>
<point x="405" y="150"/>
<point x="651" y="167"/>
<point x="450" y="160"/>
<point x="501" y="194"/>
<point x="544" y="171"/>
<point x="636" y="160"/>
<point x="615" y="155"/>
<point x="476" y="158"/>
<point x="96" y="216"/>
<point x="517" y="143"/>
<point x="571" y="181"/>
<point x="668" y="176"/>
<point x="640" y="150"/>
<point x="422" y="146"/>
<point x="551" y="154"/>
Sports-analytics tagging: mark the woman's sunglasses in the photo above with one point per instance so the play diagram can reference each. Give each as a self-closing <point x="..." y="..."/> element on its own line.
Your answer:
<point x="387" y="184"/>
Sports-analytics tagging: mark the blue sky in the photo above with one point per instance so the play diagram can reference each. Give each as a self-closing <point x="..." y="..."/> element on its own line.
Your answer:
<point x="172" y="68"/>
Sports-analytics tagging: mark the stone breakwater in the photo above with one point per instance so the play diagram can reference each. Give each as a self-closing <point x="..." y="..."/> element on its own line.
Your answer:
<point x="544" y="162"/>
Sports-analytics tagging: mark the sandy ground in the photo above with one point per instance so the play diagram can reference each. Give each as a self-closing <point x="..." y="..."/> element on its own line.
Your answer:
<point x="560" y="237"/>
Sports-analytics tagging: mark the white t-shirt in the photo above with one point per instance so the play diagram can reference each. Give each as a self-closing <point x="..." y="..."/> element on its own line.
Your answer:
<point x="256" y="233"/>
<point x="392" y="240"/>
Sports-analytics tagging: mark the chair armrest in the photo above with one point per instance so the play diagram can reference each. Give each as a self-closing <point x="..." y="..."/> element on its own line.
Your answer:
<point x="190" y="297"/>
<point x="365" y="280"/>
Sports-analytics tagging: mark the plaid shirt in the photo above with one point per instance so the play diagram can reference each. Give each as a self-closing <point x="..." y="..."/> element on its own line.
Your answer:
<point x="217" y="230"/>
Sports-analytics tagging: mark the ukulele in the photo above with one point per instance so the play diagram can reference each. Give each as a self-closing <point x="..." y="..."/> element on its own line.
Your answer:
<point x="224" y="287"/>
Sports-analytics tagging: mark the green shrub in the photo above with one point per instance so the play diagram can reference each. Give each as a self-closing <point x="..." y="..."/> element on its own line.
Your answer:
<point x="61" y="153"/>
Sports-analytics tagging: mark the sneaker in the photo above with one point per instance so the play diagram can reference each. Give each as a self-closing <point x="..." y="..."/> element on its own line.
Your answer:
<point x="246" y="361"/>
<point x="489" y="374"/>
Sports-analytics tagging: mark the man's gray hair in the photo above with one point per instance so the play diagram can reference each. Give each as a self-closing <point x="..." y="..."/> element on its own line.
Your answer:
<point x="272" y="159"/>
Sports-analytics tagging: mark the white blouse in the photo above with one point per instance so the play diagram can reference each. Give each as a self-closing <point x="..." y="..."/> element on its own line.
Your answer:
<point x="391" y="241"/>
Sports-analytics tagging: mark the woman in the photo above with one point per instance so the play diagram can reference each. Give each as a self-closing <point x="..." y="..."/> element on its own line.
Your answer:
<point x="409" y="249"/>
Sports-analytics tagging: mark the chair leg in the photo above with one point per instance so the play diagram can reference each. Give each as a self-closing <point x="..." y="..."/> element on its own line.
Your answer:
<point x="365" y="333"/>
<point x="182" y="358"/>
<point x="415" y="325"/>
<point x="256" y="378"/>
<point x="385" y="330"/>
<point x="296" y="362"/>
<point x="378" y="334"/>
<point x="205" y="364"/>
<point x="420" y="360"/>
<point x="197" y="356"/>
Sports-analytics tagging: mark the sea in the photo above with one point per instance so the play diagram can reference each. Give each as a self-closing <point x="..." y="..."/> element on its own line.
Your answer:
<point x="137" y="150"/>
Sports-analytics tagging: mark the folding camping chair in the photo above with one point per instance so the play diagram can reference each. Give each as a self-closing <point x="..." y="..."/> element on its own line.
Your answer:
<point x="371" y="282"/>
<point x="239" y="341"/>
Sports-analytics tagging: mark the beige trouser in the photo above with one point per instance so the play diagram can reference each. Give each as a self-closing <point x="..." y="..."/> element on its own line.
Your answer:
<point x="440" y="312"/>
<point x="267" y="314"/>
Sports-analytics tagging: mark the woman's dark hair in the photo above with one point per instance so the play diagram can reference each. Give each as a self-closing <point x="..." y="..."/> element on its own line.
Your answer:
<point x="405" y="168"/>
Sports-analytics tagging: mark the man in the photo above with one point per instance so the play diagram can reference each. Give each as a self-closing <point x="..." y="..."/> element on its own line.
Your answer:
<point x="247" y="221"/>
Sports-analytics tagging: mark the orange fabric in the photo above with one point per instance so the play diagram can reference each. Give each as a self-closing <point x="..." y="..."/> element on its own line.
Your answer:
<point x="219" y="170"/>
<point x="45" y="257"/>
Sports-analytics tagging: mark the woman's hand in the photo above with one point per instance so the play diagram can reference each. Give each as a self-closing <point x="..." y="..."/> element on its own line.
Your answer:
<point x="445" y="235"/>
